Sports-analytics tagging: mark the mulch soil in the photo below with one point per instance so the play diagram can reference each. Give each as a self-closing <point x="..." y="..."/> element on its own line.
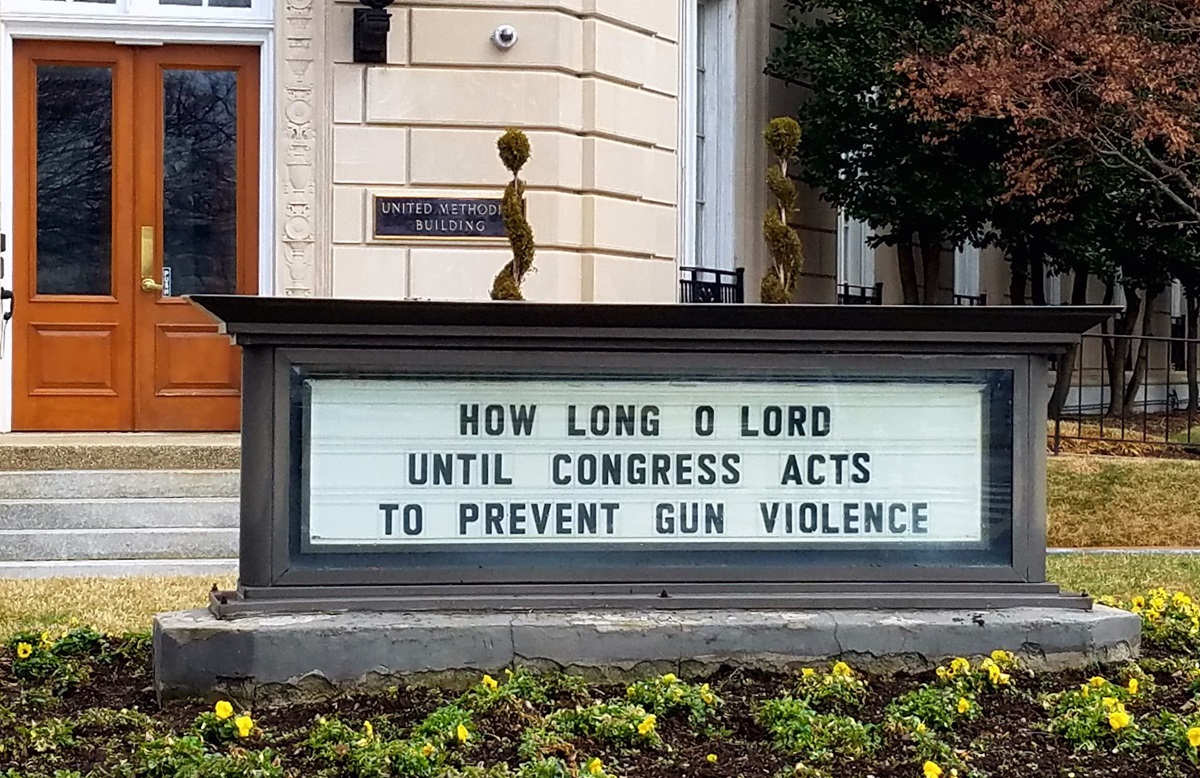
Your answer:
<point x="1139" y="435"/>
<point x="1009" y="740"/>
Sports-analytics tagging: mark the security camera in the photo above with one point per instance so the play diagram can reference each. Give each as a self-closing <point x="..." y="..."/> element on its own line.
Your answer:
<point x="505" y="36"/>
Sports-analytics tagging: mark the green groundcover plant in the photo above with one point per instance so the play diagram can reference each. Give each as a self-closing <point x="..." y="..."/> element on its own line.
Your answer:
<point x="76" y="704"/>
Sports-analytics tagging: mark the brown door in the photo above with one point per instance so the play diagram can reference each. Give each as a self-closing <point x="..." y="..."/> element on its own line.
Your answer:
<point x="136" y="183"/>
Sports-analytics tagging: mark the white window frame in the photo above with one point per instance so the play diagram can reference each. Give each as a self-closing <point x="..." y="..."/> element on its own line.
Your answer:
<point x="57" y="20"/>
<point x="856" y="258"/>
<point x="966" y="270"/>
<point x="140" y="13"/>
<point x="709" y="38"/>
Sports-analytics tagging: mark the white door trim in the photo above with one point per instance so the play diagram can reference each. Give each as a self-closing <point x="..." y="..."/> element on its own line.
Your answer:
<point x="135" y="31"/>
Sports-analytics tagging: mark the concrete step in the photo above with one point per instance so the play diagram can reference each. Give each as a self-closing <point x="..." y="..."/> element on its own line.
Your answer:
<point x="119" y="568"/>
<point x="43" y="545"/>
<point x="119" y="451"/>
<point x="113" y="484"/>
<point x="105" y="514"/>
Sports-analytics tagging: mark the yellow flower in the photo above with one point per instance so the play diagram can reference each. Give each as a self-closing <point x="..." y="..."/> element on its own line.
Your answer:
<point x="1119" y="719"/>
<point x="647" y="725"/>
<point x="957" y="665"/>
<point x="1193" y="735"/>
<point x="428" y="750"/>
<point x="463" y="733"/>
<point x="1109" y="702"/>
<point x="368" y="730"/>
<point x="808" y="672"/>
<point x="706" y="695"/>
<point x="244" y="725"/>
<point x="932" y="770"/>
<point x="668" y="678"/>
<point x="994" y="675"/>
<point x="630" y="691"/>
<point x="1181" y="599"/>
<point x="223" y="710"/>
<point x="986" y="663"/>
<point x="490" y="683"/>
<point x="24" y="650"/>
<point x="1085" y="690"/>
<point x="595" y="766"/>
<point x="842" y="670"/>
<point x="1097" y="681"/>
<point x="711" y="758"/>
<point x="921" y="728"/>
<point x="1139" y="602"/>
<point x="1002" y="657"/>
<point x="47" y="642"/>
<point x="1133" y="685"/>
<point x="942" y="673"/>
<point x="964" y="705"/>
<point x="1003" y="679"/>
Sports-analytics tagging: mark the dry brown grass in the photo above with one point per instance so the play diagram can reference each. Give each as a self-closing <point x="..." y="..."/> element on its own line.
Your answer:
<point x="108" y="604"/>
<point x="1116" y="501"/>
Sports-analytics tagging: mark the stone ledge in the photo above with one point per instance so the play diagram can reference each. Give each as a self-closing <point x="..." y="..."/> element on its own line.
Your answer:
<point x="316" y="654"/>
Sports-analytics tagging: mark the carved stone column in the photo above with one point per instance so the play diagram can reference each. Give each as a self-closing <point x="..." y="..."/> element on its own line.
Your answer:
<point x="302" y="135"/>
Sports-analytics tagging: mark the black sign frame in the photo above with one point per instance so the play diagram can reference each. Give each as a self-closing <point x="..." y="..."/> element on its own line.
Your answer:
<point x="284" y="339"/>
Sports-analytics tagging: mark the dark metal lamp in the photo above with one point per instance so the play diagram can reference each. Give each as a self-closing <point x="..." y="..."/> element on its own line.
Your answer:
<point x="371" y="25"/>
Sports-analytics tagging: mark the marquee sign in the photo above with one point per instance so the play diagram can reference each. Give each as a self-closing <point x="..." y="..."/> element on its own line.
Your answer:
<point x="400" y="463"/>
<point x="423" y="455"/>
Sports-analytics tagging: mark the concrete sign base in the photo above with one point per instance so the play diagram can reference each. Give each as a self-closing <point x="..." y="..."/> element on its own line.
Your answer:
<point x="294" y="655"/>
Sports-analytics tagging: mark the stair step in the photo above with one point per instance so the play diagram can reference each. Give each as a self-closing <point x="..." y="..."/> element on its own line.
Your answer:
<point x="106" y="514"/>
<point x="43" y="545"/>
<point x="110" y="484"/>
<point x="119" y="451"/>
<point x="119" y="568"/>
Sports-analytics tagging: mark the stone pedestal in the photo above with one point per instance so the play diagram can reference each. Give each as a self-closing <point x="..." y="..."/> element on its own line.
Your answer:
<point x="250" y="657"/>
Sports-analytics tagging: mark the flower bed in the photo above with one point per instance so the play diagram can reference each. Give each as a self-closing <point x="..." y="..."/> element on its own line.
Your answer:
<point x="76" y="703"/>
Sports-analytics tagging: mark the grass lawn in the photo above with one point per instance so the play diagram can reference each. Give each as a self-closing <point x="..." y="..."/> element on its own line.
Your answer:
<point x="128" y="605"/>
<point x="1123" y="501"/>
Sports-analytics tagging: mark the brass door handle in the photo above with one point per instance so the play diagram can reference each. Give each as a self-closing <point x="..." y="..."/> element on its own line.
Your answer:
<point x="148" y="282"/>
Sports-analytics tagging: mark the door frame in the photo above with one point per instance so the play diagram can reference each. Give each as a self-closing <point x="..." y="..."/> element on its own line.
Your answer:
<point x="126" y="31"/>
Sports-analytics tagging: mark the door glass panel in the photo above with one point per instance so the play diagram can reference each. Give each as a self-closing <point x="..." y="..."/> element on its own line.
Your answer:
<point x="200" y="181"/>
<point x="74" y="179"/>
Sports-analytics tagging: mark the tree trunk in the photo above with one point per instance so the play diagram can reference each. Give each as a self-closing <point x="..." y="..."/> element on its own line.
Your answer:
<point x="1139" y="365"/>
<point x="1019" y="277"/>
<point x="1116" y="350"/>
<point x="1192" y="330"/>
<point x="1064" y="366"/>
<point x="908" y="270"/>
<point x="1037" y="278"/>
<point x="931" y="266"/>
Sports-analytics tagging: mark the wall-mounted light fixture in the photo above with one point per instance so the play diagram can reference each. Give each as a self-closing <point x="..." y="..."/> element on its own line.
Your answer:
<point x="371" y="25"/>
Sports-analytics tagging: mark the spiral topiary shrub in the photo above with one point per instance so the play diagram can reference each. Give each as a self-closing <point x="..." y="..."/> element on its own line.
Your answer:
<point x="787" y="254"/>
<point x="514" y="153"/>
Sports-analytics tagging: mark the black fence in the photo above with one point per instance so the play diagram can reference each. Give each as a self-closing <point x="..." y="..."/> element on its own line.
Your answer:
<point x="707" y="285"/>
<point x="1127" y="389"/>
<point x="849" y="294"/>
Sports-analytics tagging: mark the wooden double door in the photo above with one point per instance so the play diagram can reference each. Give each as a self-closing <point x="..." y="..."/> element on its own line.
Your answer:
<point x="135" y="178"/>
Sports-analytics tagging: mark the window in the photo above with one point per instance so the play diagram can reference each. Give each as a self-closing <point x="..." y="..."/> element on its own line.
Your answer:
<point x="1176" y="300"/>
<point x="856" y="259"/>
<point x="1052" y="286"/>
<point x="966" y="275"/>
<point x="709" y="127"/>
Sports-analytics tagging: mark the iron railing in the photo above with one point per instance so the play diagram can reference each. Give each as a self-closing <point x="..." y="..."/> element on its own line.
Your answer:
<point x="1149" y="401"/>
<point x="708" y="285"/>
<point x="849" y="294"/>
